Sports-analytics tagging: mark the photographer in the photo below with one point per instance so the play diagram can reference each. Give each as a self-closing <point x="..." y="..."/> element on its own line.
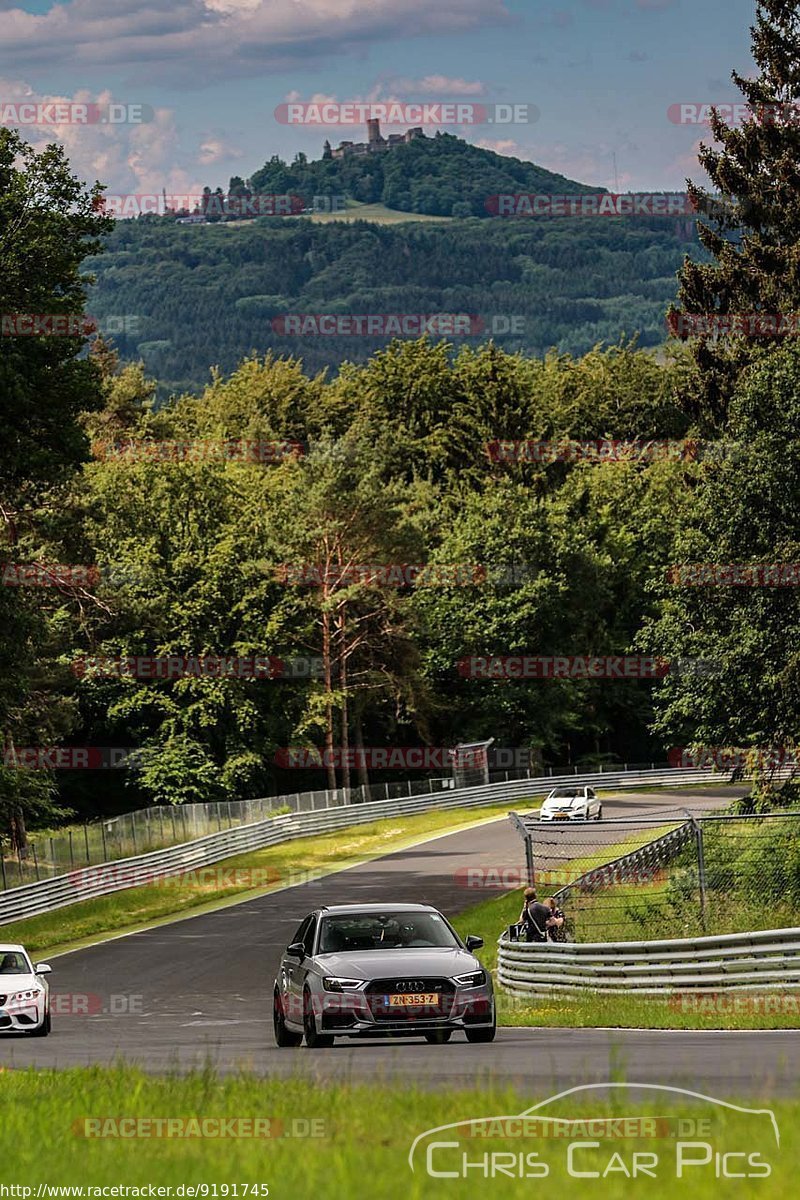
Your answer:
<point x="534" y="917"/>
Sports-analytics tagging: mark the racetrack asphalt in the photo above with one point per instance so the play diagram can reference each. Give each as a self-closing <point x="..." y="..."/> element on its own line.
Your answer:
<point x="199" y="990"/>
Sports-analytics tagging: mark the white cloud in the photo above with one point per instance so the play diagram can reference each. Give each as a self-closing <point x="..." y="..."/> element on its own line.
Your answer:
<point x="195" y="41"/>
<point x="506" y="146"/>
<point x="438" y="85"/>
<point x="212" y="150"/>
<point x="127" y="158"/>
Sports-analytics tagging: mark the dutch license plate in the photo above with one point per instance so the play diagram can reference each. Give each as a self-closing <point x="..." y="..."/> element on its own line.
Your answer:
<point x="412" y="999"/>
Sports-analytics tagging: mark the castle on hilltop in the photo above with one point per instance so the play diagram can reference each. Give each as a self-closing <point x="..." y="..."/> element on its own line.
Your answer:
<point x="375" y="143"/>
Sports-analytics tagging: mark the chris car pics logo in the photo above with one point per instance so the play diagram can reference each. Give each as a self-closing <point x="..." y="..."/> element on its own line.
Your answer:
<point x="675" y="1134"/>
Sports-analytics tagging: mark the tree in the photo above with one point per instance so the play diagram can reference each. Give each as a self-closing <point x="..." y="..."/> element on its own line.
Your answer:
<point x="49" y="223"/>
<point x="744" y="512"/>
<point x="754" y="233"/>
<point x="327" y="516"/>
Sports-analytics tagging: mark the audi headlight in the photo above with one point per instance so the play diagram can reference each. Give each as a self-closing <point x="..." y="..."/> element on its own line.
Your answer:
<point x="333" y="984"/>
<point x="33" y="994"/>
<point x="474" y="979"/>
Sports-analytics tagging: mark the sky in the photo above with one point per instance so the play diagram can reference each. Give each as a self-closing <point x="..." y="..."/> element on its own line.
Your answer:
<point x="208" y="77"/>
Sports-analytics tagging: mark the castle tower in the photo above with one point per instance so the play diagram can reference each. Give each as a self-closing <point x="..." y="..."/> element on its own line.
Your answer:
<point x="326" y="150"/>
<point x="374" y="138"/>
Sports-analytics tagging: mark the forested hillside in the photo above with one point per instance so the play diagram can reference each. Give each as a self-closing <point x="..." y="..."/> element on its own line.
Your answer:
<point x="186" y="298"/>
<point x="441" y="175"/>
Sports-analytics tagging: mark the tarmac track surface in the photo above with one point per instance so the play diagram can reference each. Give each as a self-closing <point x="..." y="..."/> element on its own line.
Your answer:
<point x="200" y="990"/>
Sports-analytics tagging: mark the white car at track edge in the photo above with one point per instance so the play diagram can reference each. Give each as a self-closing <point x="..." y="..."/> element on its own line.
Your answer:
<point x="571" y="802"/>
<point x="24" y="993"/>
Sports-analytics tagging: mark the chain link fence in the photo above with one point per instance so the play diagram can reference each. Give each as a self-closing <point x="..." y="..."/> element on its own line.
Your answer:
<point x="159" y="827"/>
<point x="639" y="880"/>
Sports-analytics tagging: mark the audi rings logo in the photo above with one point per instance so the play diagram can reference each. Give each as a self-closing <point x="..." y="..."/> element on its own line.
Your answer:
<point x="410" y="985"/>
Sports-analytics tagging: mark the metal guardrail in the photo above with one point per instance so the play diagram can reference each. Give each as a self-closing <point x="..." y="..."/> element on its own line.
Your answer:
<point x="729" y="962"/>
<point x="82" y="884"/>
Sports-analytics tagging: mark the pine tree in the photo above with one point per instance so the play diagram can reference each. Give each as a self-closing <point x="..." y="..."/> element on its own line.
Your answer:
<point x="752" y="227"/>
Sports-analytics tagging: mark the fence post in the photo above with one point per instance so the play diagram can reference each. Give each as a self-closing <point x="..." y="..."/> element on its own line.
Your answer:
<point x="529" y="859"/>
<point x="71" y="855"/>
<point x="701" y="871"/>
<point x="35" y="860"/>
<point x="3" y="866"/>
<point x="86" y="840"/>
<point x="701" y="866"/>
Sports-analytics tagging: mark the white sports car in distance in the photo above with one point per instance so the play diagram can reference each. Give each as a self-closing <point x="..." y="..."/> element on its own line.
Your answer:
<point x="571" y="803"/>
<point x="24" y="993"/>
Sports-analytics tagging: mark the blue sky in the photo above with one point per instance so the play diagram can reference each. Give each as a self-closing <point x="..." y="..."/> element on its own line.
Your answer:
<point x="602" y="74"/>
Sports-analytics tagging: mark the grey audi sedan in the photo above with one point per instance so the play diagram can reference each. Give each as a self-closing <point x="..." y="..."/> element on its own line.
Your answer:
<point x="375" y="970"/>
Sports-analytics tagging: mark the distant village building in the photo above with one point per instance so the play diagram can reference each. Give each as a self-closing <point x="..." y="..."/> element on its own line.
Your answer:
<point x="375" y="143"/>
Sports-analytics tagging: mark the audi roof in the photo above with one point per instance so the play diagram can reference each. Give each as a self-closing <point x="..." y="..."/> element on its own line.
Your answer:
<point x="370" y="908"/>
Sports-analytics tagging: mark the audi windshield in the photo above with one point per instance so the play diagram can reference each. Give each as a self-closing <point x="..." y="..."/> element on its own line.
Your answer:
<point x="385" y="931"/>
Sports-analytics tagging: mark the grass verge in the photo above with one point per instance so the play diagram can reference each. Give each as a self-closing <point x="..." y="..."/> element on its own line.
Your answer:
<point x="364" y="1135"/>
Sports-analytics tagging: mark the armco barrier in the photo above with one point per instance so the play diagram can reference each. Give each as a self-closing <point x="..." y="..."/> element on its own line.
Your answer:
<point x="726" y="962"/>
<point x="35" y="898"/>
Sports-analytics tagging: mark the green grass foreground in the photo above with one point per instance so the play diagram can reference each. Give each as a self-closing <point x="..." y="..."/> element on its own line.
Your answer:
<point x="258" y="871"/>
<point x="361" y="1137"/>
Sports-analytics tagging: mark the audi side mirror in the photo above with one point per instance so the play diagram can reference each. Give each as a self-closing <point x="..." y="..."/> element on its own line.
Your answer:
<point x="473" y="942"/>
<point x="296" y="950"/>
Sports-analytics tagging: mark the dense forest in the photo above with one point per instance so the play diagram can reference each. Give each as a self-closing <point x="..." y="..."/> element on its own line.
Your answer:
<point x="186" y="298"/>
<point x="118" y="541"/>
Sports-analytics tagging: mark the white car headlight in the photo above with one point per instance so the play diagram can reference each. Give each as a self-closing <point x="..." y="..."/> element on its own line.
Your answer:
<point x="33" y="994"/>
<point x="333" y="984"/>
<point x="473" y="979"/>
